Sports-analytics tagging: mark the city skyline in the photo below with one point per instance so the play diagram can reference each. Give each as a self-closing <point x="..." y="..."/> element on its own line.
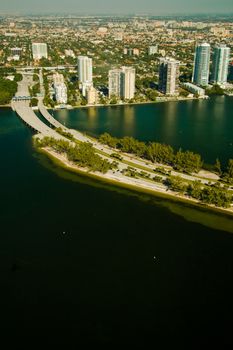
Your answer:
<point x="150" y="7"/>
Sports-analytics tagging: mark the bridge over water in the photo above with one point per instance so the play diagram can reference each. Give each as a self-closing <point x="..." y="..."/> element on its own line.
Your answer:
<point x="21" y="105"/>
<point x="44" y="112"/>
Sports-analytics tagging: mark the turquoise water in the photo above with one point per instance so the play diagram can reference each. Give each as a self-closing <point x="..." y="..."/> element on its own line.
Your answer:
<point x="91" y="264"/>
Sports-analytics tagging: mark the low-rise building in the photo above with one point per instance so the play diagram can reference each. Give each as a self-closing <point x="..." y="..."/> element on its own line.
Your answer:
<point x="197" y="90"/>
<point x="152" y="50"/>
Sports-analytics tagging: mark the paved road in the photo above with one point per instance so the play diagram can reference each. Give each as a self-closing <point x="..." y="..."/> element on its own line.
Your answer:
<point x="25" y="112"/>
<point x="77" y="135"/>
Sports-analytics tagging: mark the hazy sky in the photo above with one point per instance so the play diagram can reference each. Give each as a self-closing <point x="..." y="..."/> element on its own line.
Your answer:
<point x="155" y="7"/>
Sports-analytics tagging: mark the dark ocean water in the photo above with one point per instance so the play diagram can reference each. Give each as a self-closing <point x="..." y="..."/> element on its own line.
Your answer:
<point x="87" y="263"/>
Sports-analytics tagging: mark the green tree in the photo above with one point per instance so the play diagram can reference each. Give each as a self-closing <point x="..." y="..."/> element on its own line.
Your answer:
<point x="18" y="77"/>
<point x="107" y="139"/>
<point x="217" y="167"/>
<point x="176" y="183"/>
<point x="195" y="189"/>
<point x="34" y="102"/>
<point x="229" y="172"/>
<point x="187" y="161"/>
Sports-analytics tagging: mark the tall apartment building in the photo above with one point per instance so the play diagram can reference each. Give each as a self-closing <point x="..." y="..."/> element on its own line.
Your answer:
<point x="221" y="59"/>
<point x="169" y="76"/>
<point x="85" y="73"/>
<point x="60" y="88"/>
<point x="114" y="83"/>
<point x="201" y="65"/>
<point x="85" y="69"/>
<point x="230" y="76"/>
<point x="39" y="50"/>
<point x="128" y="82"/>
<point x="121" y="83"/>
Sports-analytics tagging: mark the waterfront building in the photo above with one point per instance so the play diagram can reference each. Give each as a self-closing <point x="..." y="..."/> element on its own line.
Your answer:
<point x="197" y="90"/>
<point x="121" y="83"/>
<point x="92" y="95"/>
<point x="230" y="76"/>
<point x="60" y="88"/>
<point x="221" y="59"/>
<point x="114" y="83"/>
<point x="169" y="76"/>
<point x="152" y="50"/>
<point x="85" y="73"/>
<point x="201" y="65"/>
<point x="128" y="82"/>
<point x="39" y="50"/>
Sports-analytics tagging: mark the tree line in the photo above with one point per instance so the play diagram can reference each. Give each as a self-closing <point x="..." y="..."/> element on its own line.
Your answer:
<point x="214" y="194"/>
<point x="82" y="154"/>
<point x="8" y="89"/>
<point x="183" y="161"/>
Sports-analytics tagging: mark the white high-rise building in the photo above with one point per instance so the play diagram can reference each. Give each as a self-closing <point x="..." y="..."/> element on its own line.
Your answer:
<point x="39" y="50"/>
<point x="169" y="76"/>
<point x="221" y="59"/>
<point x="60" y="88"/>
<point x="201" y="64"/>
<point x="121" y="83"/>
<point x="128" y="82"/>
<point x="114" y="83"/>
<point x="85" y="73"/>
<point x="85" y="69"/>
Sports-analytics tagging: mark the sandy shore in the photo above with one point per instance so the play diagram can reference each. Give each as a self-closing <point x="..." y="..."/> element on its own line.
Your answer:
<point x="139" y="185"/>
<point x="5" y="106"/>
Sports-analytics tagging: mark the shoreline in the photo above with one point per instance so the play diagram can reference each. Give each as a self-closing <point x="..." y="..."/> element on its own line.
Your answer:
<point x="125" y="104"/>
<point x="5" y="106"/>
<point x="135" y="103"/>
<point x="132" y="185"/>
<point x="129" y="104"/>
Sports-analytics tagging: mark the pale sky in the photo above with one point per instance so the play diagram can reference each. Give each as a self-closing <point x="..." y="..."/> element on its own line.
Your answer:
<point x="153" y="7"/>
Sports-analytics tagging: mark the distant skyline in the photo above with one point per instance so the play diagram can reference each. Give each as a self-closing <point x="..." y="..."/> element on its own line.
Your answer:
<point x="147" y="7"/>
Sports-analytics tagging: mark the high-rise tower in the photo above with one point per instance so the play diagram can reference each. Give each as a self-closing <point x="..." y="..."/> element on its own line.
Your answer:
<point x="114" y="83"/>
<point x="39" y="50"/>
<point x="121" y="83"/>
<point x="201" y="64"/>
<point x="221" y="59"/>
<point x="169" y="76"/>
<point x="128" y="82"/>
<point x="85" y="69"/>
